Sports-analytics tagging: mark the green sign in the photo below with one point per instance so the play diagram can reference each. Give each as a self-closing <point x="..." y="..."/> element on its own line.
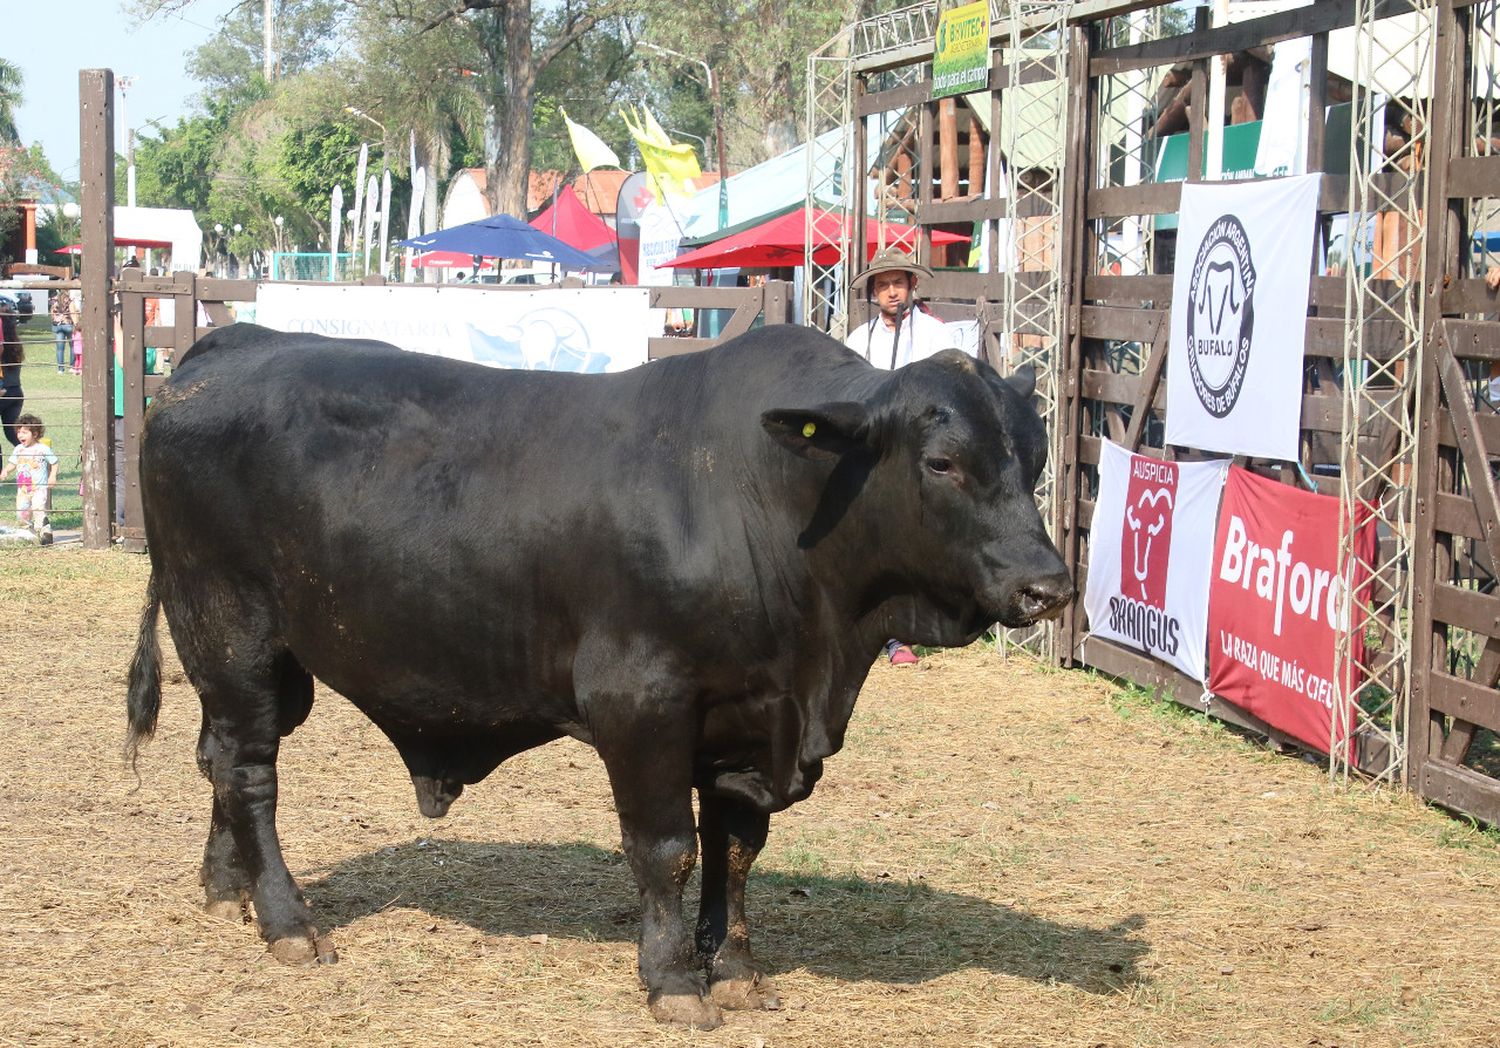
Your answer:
<point x="961" y="52"/>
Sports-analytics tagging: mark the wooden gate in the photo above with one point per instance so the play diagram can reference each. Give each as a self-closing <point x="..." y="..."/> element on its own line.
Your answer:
<point x="1455" y="707"/>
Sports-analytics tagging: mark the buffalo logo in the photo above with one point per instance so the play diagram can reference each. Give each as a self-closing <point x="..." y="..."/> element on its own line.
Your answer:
<point x="1221" y="315"/>
<point x="1146" y="538"/>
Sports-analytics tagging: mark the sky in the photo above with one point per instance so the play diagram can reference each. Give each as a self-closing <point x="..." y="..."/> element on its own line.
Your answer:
<point x="92" y="34"/>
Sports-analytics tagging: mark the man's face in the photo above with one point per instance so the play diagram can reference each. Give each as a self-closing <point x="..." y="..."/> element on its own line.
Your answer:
<point x="892" y="291"/>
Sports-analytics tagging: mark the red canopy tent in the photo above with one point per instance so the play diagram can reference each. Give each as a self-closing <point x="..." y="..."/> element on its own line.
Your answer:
<point x="779" y="242"/>
<point x="448" y="260"/>
<point x="572" y="223"/>
<point x="154" y="245"/>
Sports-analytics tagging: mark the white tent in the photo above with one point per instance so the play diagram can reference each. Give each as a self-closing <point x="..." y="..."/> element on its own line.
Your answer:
<point x="168" y="225"/>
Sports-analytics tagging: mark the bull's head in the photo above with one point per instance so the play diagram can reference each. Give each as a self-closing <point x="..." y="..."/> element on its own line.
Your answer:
<point x="939" y="468"/>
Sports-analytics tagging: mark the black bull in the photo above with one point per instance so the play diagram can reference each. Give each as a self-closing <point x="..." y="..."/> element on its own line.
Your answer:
<point x="689" y="566"/>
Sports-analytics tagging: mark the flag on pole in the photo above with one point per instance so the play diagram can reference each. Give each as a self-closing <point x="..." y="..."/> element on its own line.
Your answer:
<point x="672" y="165"/>
<point x="589" y="147"/>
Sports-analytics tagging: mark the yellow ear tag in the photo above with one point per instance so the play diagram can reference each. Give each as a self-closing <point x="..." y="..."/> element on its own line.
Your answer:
<point x="808" y="429"/>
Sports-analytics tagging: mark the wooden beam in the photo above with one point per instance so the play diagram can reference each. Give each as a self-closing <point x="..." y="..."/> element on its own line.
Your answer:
<point x="96" y="94"/>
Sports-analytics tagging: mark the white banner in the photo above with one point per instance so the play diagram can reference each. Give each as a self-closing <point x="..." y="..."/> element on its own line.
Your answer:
<point x="551" y="329"/>
<point x="1151" y="549"/>
<point x="1239" y="316"/>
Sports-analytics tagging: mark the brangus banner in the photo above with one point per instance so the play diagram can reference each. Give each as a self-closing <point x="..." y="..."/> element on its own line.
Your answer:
<point x="1239" y="316"/>
<point x="1278" y="602"/>
<point x="1150" y="555"/>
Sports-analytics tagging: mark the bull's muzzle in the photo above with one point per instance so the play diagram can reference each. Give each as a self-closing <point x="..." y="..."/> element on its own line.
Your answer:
<point x="1045" y="597"/>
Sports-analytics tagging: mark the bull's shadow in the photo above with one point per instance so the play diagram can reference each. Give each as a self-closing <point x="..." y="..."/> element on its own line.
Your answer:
<point x="845" y="927"/>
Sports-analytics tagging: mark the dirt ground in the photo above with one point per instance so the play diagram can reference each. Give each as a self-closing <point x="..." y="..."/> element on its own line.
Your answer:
<point x="1002" y="855"/>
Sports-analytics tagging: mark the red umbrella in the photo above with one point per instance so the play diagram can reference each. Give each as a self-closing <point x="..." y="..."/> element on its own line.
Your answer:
<point x="779" y="242"/>
<point x="71" y="249"/>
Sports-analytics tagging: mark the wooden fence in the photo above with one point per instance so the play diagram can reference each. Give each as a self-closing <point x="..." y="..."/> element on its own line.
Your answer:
<point x="1401" y="342"/>
<point x="769" y="303"/>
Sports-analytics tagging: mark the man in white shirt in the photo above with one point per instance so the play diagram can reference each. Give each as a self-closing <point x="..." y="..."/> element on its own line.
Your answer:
<point x="898" y="333"/>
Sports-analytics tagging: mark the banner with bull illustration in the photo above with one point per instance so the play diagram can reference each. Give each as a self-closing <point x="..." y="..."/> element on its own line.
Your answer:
<point x="1151" y="553"/>
<point x="1239" y="316"/>
<point x="1278" y="603"/>
<point x="550" y="329"/>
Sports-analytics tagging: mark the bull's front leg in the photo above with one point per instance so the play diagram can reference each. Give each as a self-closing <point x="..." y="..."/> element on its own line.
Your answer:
<point x="732" y="835"/>
<point x="648" y="751"/>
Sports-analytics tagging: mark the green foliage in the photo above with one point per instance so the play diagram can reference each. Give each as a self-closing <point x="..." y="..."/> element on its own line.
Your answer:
<point x="11" y="80"/>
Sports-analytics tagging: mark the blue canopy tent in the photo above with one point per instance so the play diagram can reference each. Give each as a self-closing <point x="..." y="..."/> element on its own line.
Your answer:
<point x="501" y="236"/>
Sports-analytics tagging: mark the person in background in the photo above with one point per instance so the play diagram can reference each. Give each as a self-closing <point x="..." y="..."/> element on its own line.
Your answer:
<point x="12" y="356"/>
<point x="901" y="331"/>
<point x="35" y="467"/>
<point x="63" y="322"/>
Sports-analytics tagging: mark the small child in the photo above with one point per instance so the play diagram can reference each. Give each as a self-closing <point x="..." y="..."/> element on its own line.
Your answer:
<point x="35" y="466"/>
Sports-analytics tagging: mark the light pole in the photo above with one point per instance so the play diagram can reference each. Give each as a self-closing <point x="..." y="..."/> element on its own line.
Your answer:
<point x="71" y="211"/>
<point x="216" y="247"/>
<point x="713" y="91"/>
<point x="125" y="83"/>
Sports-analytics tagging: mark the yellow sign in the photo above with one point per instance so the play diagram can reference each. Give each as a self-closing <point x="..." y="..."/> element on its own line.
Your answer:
<point x="961" y="52"/>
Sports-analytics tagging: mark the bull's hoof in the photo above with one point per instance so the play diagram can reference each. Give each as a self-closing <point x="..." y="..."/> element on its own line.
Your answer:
<point x="236" y="910"/>
<point x="686" y="1009"/>
<point x="304" y="949"/>
<point x="742" y="995"/>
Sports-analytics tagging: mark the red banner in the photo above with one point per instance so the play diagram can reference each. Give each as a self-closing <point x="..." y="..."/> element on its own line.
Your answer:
<point x="1277" y="603"/>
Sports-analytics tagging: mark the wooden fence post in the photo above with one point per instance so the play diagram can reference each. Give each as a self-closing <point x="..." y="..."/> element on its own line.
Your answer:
<point x="96" y="91"/>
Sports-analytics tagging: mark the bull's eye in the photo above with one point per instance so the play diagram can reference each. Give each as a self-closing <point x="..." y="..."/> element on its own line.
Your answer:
<point x="940" y="466"/>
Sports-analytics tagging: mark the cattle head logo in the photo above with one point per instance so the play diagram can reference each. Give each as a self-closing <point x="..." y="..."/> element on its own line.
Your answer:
<point x="1146" y="538"/>
<point x="1221" y="315"/>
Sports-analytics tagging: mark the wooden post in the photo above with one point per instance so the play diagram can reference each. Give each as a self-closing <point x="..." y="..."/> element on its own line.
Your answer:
<point x="855" y="312"/>
<point x="1066" y="482"/>
<point x="948" y="147"/>
<point x="976" y="157"/>
<point x="185" y="313"/>
<point x="925" y="138"/>
<point x="1198" y="105"/>
<point x="96" y="134"/>
<point x="1443" y="249"/>
<point x="997" y="172"/>
<point x="1317" y="102"/>
<point x="133" y="363"/>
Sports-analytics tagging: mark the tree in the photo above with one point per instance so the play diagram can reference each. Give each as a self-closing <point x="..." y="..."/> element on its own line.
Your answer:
<point x="514" y="50"/>
<point x="758" y="50"/>
<point x="11" y="80"/>
<point x="305" y="32"/>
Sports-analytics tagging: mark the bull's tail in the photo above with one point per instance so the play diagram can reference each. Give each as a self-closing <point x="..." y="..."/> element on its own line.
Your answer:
<point x="143" y="699"/>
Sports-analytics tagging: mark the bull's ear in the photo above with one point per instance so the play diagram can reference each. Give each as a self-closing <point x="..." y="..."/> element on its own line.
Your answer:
<point x="826" y="431"/>
<point x="1023" y="381"/>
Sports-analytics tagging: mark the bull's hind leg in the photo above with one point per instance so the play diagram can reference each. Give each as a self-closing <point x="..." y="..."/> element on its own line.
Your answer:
<point x="252" y="695"/>
<point x="732" y="836"/>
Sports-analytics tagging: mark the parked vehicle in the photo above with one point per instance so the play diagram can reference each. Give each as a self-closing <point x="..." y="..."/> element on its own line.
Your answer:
<point x="17" y="302"/>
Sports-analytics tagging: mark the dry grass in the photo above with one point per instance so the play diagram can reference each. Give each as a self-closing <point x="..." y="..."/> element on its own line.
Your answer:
<point x="1000" y="856"/>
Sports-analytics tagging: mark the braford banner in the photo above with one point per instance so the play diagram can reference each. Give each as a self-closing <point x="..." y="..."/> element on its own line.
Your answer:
<point x="1278" y="603"/>
<point x="1150" y="552"/>
<point x="550" y="329"/>
<point x="1239" y="316"/>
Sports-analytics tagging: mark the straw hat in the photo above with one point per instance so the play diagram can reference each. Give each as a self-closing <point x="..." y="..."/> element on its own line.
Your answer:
<point x="890" y="260"/>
